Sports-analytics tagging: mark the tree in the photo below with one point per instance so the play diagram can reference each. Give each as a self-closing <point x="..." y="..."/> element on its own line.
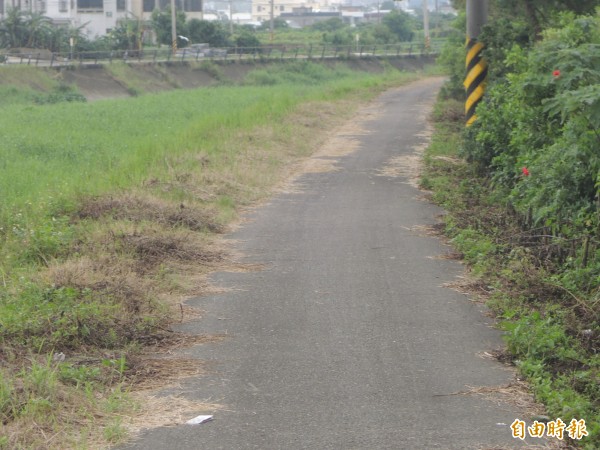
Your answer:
<point x="278" y="23"/>
<point x="499" y="36"/>
<point x="203" y="31"/>
<point x="13" y="29"/>
<point x="58" y="39"/>
<point x="161" y="24"/>
<point x="127" y="35"/>
<point x="34" y="30"/>
<point x="342" y="36"/>
<point x="247" y="40"/>
<point x="38" y="29"/>
<point x="400" y="24"/>
<point x="537" y="13"/>
<point x="382" y="34"/>
<point x="333" y="24"/>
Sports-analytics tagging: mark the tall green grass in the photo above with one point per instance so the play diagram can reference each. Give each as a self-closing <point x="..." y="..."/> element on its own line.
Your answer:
<point x="55" y="156"/>
<point x="51" y="155"/>
<point x="62" y="151"/>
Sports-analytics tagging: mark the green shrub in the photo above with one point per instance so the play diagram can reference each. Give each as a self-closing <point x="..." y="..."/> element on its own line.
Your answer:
<point x="544" y="116"/>
<point x="525" y="210"/>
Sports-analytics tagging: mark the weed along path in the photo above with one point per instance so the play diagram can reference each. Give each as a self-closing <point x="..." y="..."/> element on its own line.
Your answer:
<point x="346" y="338"/>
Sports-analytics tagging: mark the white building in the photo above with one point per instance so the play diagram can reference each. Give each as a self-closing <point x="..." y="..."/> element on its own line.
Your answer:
<point x="192" y="8"/>
<point x="261" y="9"/>
<point x="98" y="17"/>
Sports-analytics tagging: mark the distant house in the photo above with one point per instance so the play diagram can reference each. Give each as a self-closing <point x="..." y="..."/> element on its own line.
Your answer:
<point x="352" y="16"/>
<point x="192" y="8"/>
<point x="376" y="16"/>
<point x="244" y="19"/>
<point x="261" y="9"/>
<point x="240" y="18"/>
<point x="304" y="17"/>
<point x="98" y="17"/>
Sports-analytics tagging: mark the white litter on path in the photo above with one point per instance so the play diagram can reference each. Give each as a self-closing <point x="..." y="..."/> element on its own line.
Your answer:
<point x="198" y="420"/>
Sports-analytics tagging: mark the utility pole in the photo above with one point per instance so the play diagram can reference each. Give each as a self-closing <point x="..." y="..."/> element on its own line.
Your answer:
<point x="173" y="27"/>
<point x="426" y="23"/>
<point x="230" y="17"/>
<point x="477" y="11"/>
<point x="272" y="18"/>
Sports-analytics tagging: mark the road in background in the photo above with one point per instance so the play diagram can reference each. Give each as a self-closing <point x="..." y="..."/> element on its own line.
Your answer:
<point x="347" y="339"/>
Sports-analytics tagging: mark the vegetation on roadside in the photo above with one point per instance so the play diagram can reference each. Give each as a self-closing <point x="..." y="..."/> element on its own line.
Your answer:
<point x="521" y="188"/>
<point x="108" y="218"/>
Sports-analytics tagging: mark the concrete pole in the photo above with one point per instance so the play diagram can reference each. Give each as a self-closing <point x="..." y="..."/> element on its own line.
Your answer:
<point x="173" y="26"/>
<point x="426" y="23"/>
<point x="272" y="19"/>
<point x="477" y="12"/>
<point x="477" y="68"/>
<point x="141" y="25"/>
<point x="230" y="18"/>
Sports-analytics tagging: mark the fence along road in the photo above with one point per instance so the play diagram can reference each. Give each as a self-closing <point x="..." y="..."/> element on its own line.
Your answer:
<point x="316" y="52"/>
<point x="347" y="339"/>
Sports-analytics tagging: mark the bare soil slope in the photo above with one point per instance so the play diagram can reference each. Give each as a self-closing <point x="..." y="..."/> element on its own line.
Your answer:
<point x="95" y="83"/>
<point x="120" y="80"/>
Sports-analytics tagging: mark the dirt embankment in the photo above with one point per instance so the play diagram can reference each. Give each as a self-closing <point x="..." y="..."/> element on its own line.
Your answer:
<point x="124" y="80"/>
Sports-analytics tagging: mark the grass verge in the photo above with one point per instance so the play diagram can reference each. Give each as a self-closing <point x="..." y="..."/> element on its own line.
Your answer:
<point x="552" y="333"/>
<point x="109" y="219"/>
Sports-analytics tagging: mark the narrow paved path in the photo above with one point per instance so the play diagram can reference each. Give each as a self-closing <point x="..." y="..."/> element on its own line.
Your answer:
<point x="347" y="339"/>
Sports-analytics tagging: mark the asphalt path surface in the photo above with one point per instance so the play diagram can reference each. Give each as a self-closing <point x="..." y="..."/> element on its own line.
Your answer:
<point x="347" y="338"/>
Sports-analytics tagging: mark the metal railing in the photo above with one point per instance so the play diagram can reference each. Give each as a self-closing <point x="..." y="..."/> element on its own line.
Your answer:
<point x="263" y="53"/>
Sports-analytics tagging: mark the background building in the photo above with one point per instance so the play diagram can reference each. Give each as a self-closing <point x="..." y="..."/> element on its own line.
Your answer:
<point x="261" y="9"/>
<point x="98" y="17"/>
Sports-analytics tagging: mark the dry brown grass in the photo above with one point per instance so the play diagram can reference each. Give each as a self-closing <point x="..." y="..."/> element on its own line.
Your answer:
<point x="105" y="274"/>
<point x="475" y="288"/>
<point x="409" y="166"/>
<point x="516" y="393"/>
<point x="145" y="207"/>
<point x="165" y="411"/>
<point x="151" y="249"/>
<point x="159" y="365"/>
<point x="66" y="416"/>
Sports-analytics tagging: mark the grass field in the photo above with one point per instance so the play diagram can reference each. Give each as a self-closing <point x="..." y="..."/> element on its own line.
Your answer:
<point x="108" y="216"/>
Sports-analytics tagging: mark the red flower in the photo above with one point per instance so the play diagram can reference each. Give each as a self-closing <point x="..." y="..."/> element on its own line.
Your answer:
<point x="525" y="171"/>
<point x="556" y="73"/>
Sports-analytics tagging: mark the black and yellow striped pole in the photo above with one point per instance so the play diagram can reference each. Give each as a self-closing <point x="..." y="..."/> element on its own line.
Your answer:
<point x="476" y="66"/>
